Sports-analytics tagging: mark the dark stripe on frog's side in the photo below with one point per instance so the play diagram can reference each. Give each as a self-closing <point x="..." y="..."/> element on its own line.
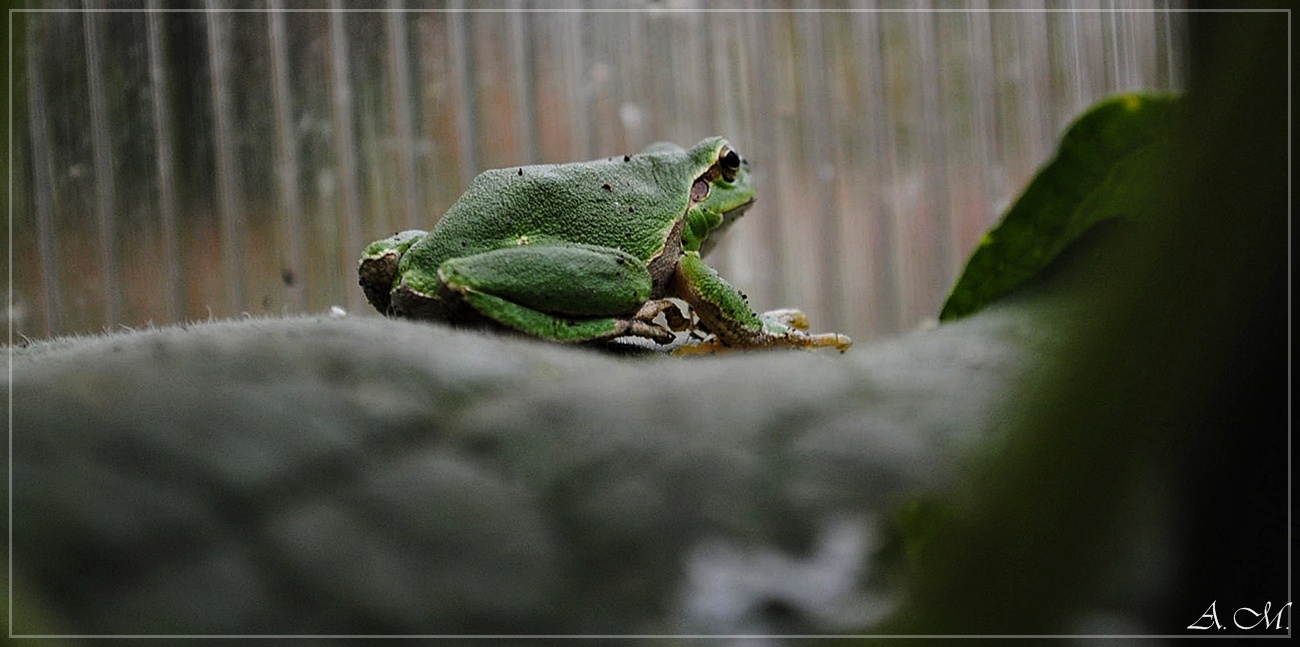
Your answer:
<point x="663" y="265"/>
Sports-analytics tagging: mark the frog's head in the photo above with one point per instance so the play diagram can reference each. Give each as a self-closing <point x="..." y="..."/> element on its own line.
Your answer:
<point x="720" y="193"/>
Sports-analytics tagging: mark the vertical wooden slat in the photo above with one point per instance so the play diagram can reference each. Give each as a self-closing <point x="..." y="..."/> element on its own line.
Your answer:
<point x="940" y="268"/>
<point x="345" y="152"/>
<point x="229" y="205"/>
<point x="882" y="151"/>
<point x="1074" y="62"/>
<point x="292" y="227"/>
<point x="403" y="122"/>
<point x="166" y="162"/>
<point x="1036" y="109"/>
<point x="572" y="81"/>
<point x="523" y="81"/>
<point x="1126" y="48"/>
<point x="849" y="216"/>
<point x="467" y="112"/>
<point x="984" y="162"/>
<point x="1113" y="63"/>
<point x="1171" y="38"/>
<point x="105" y="178"/>
<point x="762" y="226"/>
<point x="870" y="134"/>
<point x="820" y="215"/>
<point x="42" y="189"/>
<point x="789" y="244"/>
<point x="903" y="93"/>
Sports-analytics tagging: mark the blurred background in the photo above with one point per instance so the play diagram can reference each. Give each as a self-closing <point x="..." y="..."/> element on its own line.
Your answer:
<point x="215" y="159"/>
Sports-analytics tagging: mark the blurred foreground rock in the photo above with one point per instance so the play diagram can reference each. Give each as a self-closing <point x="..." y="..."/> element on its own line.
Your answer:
<point x="369" y="476"/>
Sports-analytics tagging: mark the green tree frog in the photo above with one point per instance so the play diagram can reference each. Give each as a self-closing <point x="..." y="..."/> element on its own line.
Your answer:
<point x="588" y="252"/>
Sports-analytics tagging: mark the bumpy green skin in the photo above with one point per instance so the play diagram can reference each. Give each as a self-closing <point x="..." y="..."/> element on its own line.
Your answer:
<point x="582" y="252"/>
<point x="629" y="205"/>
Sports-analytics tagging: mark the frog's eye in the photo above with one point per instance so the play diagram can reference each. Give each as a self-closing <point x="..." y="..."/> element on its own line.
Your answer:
<point x="728" y="163"/>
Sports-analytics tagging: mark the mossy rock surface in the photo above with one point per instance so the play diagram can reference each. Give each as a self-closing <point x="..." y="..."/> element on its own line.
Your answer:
<point x="369" y="476"/>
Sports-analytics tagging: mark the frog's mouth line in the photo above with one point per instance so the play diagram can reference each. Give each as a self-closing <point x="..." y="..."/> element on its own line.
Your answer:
<point x="739" y="209"/>
<point x="732" y="215"/>
<point x="729" y="218"/>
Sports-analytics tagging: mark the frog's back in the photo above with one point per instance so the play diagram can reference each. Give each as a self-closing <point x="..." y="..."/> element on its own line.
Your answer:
<point x="628" y="203"/>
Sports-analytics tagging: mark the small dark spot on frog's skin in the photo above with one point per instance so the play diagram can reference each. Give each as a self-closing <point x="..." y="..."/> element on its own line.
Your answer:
<point x="631" y="209"/>
<point x="620" y="260"/>
<point x="607" y="187"/>
<point x="464" y="243"/>
<point x="521" y="172"/>
<point x="627" y="158"/>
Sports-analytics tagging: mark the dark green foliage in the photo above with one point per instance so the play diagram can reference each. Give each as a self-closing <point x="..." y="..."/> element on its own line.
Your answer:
<point x="1111" y="163"/>
<point x="1144" y="474"/>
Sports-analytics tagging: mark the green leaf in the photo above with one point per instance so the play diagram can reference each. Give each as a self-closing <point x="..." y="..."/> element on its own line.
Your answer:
<point x="1111" y="163"/>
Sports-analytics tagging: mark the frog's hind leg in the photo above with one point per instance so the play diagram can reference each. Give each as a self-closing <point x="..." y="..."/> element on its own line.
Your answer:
<point x="562" y="329"/>
<point x="561" y="292"/>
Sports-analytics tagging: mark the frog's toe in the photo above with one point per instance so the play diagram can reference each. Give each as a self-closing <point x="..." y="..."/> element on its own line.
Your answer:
<point x="649" y="330"/>
<point x="710" y="346"/>
<point x="800" y="339"/>
<point x="376" y="275"/>
<point x="837" y="341"/>
<point x="788" y="317"/>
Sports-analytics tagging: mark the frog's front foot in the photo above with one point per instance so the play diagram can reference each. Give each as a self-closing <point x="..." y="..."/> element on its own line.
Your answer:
<point x="794" y="339"/>
<point x="789" y="327"/>
<point x="784" y="328"/>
